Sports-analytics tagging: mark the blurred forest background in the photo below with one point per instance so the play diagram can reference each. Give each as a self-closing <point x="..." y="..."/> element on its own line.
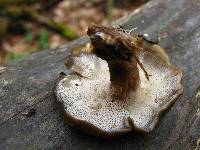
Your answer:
<point x="30" y="25"/>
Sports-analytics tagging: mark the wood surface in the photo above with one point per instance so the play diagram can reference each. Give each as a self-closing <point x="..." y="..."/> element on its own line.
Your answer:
<point x="26" y="86"/>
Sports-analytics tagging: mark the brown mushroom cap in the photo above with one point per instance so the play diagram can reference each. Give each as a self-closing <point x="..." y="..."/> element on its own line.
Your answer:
<point x="86" y="101"/>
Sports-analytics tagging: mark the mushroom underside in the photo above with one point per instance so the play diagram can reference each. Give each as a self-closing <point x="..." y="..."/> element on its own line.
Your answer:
<point x="87" y="102"/>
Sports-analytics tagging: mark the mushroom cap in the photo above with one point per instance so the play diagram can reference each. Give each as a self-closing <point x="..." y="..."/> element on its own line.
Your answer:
<point x="84" y="94"/>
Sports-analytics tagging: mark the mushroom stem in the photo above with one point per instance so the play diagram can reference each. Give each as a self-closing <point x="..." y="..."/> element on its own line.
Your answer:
<point x="124" y="76"/>
<point x="119" y="50"/>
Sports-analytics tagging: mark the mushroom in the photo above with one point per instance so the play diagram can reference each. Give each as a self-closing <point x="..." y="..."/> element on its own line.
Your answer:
<point x="117" y="83"/>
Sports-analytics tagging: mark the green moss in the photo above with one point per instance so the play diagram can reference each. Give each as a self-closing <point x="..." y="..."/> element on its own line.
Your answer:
<point x="109" y="10"/>
<point x="17" y="2"/>
<point x="8" y="82"/>
<point x="1" y="93"/>
<point x="63" y="29"/>
<point x="3" y="26"/>
<point x="43" y="39"/>
<point x="29" y="36"/>
<point x="16" y="56"/>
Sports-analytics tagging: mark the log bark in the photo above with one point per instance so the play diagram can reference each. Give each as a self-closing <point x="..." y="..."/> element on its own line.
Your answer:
<point x="27" y="85"/>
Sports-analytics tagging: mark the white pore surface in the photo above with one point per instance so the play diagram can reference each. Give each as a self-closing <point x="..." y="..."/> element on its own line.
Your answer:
<point x="87" y="97"/>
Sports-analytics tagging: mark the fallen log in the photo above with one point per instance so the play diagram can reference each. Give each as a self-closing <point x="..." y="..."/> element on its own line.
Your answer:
<point x="29" y="115"/>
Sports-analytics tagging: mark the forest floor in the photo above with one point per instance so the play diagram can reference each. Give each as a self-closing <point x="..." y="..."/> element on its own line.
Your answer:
<point x="77" y="15"/>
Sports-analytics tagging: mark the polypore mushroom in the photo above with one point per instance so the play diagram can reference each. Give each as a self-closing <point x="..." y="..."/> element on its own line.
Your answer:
<point x="117" y="83"/>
